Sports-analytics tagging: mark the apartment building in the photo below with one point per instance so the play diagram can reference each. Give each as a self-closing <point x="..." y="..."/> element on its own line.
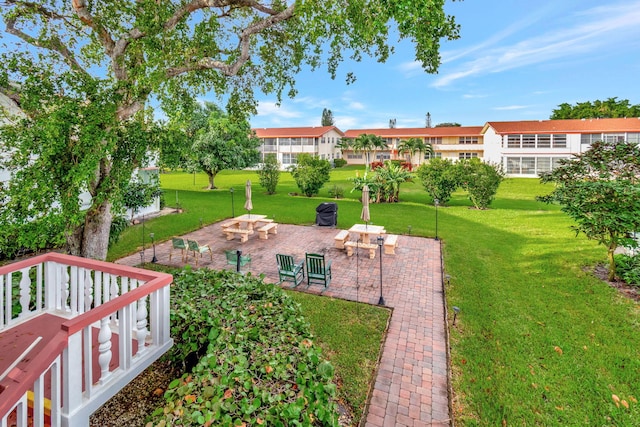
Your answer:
<point x="524" y="148"/>
<point x="288" y="143"/>
<point x="459" y="142"/>
<point x="528" y="148"/>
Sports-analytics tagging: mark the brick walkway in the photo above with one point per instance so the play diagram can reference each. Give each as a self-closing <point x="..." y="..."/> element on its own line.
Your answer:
<point x="411" y="387"/>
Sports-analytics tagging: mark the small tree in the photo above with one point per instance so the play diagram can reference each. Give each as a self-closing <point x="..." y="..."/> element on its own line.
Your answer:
<point x="600" y="190"/>
<point x="310" y="174"/>
<point x="480" y="180"/>
<point x="440" y="178"/>
<point x="138" y="194"/>
<point x="269" y="173"/>
<point x="225" y="143"/>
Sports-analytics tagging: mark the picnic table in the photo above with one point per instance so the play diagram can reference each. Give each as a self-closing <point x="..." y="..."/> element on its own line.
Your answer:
<point x="366" y="231"/>
<point x="244" y="226"/>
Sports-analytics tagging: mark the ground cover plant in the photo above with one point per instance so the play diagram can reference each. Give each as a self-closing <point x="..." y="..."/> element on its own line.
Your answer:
<point x="250" y="355"/>
<point x="539" y="340"/>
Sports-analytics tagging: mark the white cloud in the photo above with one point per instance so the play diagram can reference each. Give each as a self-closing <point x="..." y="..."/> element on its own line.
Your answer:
<point x="275" y="111"/>
<point x="510" y="108"/>
<point x="598" y="27"/>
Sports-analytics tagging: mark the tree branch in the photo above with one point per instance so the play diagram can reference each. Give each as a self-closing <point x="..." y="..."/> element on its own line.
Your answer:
<point x="244" y="43"/>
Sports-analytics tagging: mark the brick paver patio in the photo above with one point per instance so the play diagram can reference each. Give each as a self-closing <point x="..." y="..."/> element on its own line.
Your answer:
<point x="411" y="385"/>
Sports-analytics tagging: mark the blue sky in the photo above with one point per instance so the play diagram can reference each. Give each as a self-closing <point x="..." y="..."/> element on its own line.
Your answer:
<point x="514" y="60"/>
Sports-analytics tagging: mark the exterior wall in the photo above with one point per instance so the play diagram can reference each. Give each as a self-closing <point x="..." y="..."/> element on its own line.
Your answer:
<point x="288" y="148"/>
<point x="457" y="147"/>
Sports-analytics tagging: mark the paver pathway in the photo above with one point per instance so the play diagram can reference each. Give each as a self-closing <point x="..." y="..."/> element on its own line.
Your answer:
<point x="411" y="386"/>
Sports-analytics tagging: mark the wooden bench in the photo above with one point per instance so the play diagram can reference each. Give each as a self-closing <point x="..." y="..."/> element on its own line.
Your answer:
<point x="390" y="244"/>
<point x="231" y="233"/>
<point x="371" y="246"/>
<point x="264" y="230"/>
<point x="341" y="238"/>
<point x="232" y="223"/>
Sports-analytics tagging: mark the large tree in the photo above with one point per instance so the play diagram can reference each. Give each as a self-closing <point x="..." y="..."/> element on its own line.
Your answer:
<point x="600" y="190"/>
<point x="84" y="73"/>
<point x="327" y="118"/>
<point x="415" y="145"/>
<point x="611" y="108"/>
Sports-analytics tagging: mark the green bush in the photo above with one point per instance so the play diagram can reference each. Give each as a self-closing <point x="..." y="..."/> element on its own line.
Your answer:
<point x="480" y="180"/>
<point x="310" y="174"/>
<point x="440" y="177"/>
<point x="339" y="163"/>
<point x="628" y="268"/>
<point x="336" y="191"/>
<point x="269" y="173"/>
<point x="256" y="361"/>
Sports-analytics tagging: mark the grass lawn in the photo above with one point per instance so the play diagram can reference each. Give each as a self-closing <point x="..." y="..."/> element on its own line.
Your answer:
<point x="538" y="340"/>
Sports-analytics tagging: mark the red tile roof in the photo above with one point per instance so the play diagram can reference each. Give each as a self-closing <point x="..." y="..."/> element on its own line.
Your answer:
<point x="566" y="126"/>
<point x="417" y="132"/>
<point x="300" y="132"/>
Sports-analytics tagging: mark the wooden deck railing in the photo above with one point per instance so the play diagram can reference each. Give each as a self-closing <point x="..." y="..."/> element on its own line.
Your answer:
<point x="97" y="297"/>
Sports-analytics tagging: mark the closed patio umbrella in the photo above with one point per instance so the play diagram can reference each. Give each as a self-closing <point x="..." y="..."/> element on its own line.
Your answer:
<point x="247" y="193"/>
<point x="365" y="216"/>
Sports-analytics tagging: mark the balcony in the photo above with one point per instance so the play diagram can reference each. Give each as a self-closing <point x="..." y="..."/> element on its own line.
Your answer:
<point x="73" y="332"/>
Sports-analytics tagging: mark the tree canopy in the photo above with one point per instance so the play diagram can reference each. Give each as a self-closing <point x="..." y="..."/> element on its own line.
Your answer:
<point x="600" y="190"/>
<point x="86" y="74"/>
<point x="611" y="108"/>
<point x="327" y="118"/>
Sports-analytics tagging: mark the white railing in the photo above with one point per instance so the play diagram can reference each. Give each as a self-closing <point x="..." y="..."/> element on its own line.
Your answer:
<point x="97" y="298"/>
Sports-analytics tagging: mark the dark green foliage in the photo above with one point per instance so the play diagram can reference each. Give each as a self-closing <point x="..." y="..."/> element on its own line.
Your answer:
<point x="600" y="190"/>
<point x="138" y="194"/>
<point x="480" y="180"/>
<point x="254" y="358"/>
<point x="310" y="174"/>
<point x="628" y="268"/>
<point x="611" y="108"/>
<point x="339" y="163"/>
<point x="336" y="192"/>
<point x="327" y="118"/>
<point x="269" y="173"/>
<point x="118" y="225"/>
<point x="440" y="178"/>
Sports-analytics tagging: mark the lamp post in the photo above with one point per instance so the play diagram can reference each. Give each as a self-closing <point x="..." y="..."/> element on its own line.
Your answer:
<point x="142" y="238"/>
<point x="233" y="212"/>
<point x="153" y="243"/>
<point x="436" y="202"/>
<point x="380" y="241"/>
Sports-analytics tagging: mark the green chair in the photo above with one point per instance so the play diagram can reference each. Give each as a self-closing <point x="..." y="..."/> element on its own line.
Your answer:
<point x="232" y="258"/>
<point x="289" y="270"/>
<point x="199" y="250"/>
<point x="178" y="243"/>
<point x="318" y="271"/>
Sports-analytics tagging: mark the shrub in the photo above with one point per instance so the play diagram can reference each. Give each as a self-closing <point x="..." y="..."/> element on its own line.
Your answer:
<point x="336" y="191"/>
<point x="440" y="178"/>
<point x="310" y="174"/>
<point x="480" y="180"/>
<point x="339" y="163"/>
<point x="256" y="362"/>
<point x="269" y="173"/>
<point x="628" y="268"/>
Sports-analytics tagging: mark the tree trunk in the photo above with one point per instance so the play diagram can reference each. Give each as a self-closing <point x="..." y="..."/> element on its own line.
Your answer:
<point x="612" y="262"/>
<point x="91" y="240"/>
<point x="212" y="185"/>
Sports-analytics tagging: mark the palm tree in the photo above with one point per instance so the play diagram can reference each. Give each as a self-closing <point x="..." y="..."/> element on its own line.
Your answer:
<point x="364" y="143"/>
<point x="415" y="145"/>
<point x="393" y="175"/>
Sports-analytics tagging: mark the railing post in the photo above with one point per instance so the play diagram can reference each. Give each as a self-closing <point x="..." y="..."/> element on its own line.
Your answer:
<point x="104" y="349"/>
<point x="141" y="324"/>
<point x="72" y="367"/>
<point x="25" y="291"/>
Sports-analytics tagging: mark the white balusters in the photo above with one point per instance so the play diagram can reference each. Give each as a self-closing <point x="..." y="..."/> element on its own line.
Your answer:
<point x="25" y="291"/>
<point x="88" y="290"/>
<point x="65" y="288"/>
<point x="141" y="324"/>
<point x="104" y="348"/>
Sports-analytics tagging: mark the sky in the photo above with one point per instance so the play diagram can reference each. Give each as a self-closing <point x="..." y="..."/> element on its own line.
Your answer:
<point x="514" y="60"/>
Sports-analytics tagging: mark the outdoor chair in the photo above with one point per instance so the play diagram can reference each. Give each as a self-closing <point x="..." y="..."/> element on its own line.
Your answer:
<point x="318" y="271"/>
<point x="178" y="243"/>
<point x="199" y="250"/>
<point x="289" y="270"/>
<point x="232" y="258"/>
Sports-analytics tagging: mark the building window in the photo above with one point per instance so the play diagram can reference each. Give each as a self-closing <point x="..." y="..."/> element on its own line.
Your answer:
<point x="613" y="137"/>
<point x="433" y="140"/>
<point x="428" y="156"/>
<point x="354" y="156"/>
<point x="544" y="164"/>
<point x="560" y="140"/>
<point x="633" y="137"/>
<point x="544" y="141"/>
<point x="285" y="141"/>
<point x="590" y="138"/>
<point x="468" y="140"/>
<point x="383" y="156"/>
<point x="467" y="155"/>
<point x="513" y="141"/>
<point x="289" y="158"/>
